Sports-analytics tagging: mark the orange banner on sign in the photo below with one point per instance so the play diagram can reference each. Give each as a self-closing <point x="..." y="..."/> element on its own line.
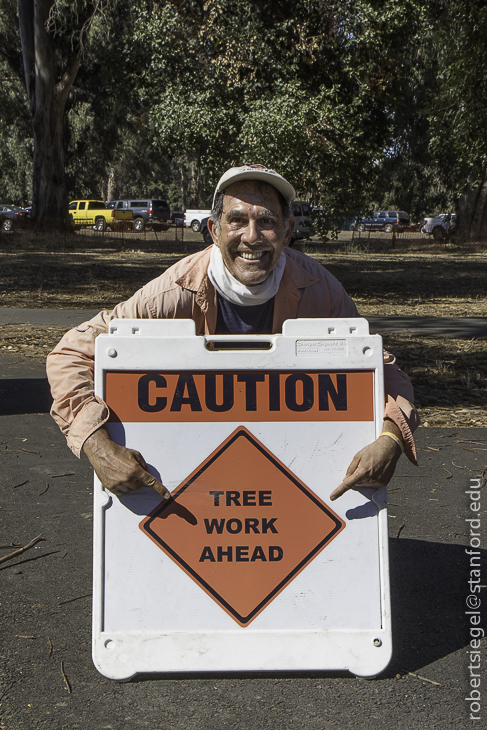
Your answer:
<point x="240" y="396"/>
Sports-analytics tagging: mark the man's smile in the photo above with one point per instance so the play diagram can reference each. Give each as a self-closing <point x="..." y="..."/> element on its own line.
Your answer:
<point x="251" y="255"/>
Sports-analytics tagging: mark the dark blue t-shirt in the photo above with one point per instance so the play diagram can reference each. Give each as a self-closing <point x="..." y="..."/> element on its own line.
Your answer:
<point x="233" y="319"/>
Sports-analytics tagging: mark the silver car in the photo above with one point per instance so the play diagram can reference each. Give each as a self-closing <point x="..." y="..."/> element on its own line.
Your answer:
<point x="439" y="226"/>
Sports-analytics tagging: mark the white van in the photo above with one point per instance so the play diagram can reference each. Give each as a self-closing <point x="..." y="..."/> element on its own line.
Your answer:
<point x="302" y="215"/>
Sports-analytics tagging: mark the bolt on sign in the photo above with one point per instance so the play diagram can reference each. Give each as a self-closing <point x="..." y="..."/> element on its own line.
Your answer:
<point x="242" y="545"/>
<point x="247" y="567"/>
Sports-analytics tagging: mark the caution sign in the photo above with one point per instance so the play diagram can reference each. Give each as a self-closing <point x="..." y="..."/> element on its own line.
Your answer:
<point x="242" y="526"/>
<point x="240" y="396"/>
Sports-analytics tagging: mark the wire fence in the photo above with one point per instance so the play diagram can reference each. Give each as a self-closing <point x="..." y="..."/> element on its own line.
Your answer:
<point x="186" y="240"/>
<point x="176" y="237"/>
<point x="126" y="232"/>
<point x="401" y="238"/>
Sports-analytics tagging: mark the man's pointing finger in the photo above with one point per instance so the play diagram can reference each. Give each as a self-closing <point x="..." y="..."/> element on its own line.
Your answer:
<point x="348" y="483"/>
<point x="151" y="481"/>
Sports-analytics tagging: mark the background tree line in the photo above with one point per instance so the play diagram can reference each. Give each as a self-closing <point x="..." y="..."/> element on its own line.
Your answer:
<point x="362" y="104"/>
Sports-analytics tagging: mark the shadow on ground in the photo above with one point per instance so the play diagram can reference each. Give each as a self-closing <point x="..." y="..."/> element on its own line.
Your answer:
<point x="24" y="395"/>
<point x="428" y="591"/>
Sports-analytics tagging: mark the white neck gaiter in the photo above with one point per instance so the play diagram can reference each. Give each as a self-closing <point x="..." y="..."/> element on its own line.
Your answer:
<point x="236" y="292"/>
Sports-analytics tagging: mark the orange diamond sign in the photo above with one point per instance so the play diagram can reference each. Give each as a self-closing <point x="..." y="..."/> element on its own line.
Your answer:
<point x="242" y="526"/>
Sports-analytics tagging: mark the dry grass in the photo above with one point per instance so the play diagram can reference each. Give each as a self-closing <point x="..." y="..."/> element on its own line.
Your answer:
<point x="449" y="375"/>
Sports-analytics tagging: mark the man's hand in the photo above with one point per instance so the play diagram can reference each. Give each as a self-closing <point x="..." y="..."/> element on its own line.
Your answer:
<point x="120" y="470"/>
<point x="373" y="466"/>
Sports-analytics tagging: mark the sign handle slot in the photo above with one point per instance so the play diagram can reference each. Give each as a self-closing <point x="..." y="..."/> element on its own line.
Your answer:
<point x="213" y="345"/>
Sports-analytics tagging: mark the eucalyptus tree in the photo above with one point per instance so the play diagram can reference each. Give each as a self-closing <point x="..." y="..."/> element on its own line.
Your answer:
<point x="58" y="38"/>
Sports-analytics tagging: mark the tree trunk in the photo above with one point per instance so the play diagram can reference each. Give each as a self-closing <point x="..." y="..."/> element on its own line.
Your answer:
<point x="471" y="210"/>
<point x="182" y="186"/>
<point x="47" y="93"/>
<point x="111" y="190"/>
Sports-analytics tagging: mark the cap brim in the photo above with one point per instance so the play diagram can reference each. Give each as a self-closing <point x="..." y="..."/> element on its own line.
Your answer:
<point x="277" y="181"/>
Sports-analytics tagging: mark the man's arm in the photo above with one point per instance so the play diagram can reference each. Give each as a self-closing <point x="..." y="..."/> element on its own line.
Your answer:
<point x="119" y="469"/>
<point x="81" y="415"/>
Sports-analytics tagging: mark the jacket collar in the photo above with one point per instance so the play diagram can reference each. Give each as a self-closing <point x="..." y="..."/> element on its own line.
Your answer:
<point x="294" y="279"/>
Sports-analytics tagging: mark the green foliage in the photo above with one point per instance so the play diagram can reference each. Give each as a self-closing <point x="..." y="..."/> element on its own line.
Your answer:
<point x="15" y="141"/>
<point x="15" y="132"/>
<point x="458" y="113"/>
<point x="304" y="88"/>
<point x="362" y="104"/>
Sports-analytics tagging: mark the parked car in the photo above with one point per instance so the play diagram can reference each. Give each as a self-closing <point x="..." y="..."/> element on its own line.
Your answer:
<point x="13" y="217"/>
<point x="383" y="220"/>
<point x="193" y="218"/>
<point x="95" y="214"/>
<point x="439" y="226"/>
<point x="302" y="212"/>
<point x="205" y="232"/>
<point x="148" y="212"/>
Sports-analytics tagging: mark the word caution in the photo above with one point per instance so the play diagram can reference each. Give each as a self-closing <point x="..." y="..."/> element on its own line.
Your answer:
<point x="240" y="396"/>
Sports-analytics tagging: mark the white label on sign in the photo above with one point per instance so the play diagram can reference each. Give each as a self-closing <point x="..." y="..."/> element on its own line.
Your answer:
<point x="316" y="348"/>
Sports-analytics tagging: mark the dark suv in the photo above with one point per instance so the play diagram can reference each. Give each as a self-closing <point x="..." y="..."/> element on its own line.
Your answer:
<point x="384" y="220"/>
<point x="148" y="213"/>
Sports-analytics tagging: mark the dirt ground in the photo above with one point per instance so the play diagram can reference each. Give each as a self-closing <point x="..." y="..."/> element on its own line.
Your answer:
<point x="449" y="375"/>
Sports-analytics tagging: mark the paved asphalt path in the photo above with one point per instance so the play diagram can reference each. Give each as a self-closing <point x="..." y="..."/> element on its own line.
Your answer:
<point x="449" y="326"/>
<point x="44" y="632"/>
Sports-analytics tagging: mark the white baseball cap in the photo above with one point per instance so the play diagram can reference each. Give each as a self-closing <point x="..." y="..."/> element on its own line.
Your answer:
<point x="256" y="172"/>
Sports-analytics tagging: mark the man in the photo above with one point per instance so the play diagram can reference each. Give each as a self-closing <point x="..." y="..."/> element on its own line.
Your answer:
<point x="247" y="282"/>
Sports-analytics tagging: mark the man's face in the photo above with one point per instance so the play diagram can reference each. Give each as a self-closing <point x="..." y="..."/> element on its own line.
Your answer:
<point x="252" y="231"/>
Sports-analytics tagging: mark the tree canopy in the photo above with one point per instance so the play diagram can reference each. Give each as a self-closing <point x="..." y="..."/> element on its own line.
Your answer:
<point x="360" y="103"/>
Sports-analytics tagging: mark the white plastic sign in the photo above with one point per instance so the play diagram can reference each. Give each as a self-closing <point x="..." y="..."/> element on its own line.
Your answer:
<point x="249" y="566"/>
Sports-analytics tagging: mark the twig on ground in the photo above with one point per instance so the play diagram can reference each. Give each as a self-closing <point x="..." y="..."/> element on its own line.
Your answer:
<point x="70" y="600"/>
<point x="12" y="544"/>
<point x="44" y="490"/>
<point x="21" y="484"/>
<point x="66" y="680"/>
<point x="6" y="690"/>
<point x="432" y="448"/>
<point x="448" y="472"/>
<point x="19" y="636"/>
<point x="401" y="529"/>
<point x="20" y="451"/>
<point x="51" y="647"/>
<point x="68" y="474"/>
<point x="415" y="476"/>
<point x="31" y="544"/>
<point x="424" y="679"/>
<point x="458" y="467"/>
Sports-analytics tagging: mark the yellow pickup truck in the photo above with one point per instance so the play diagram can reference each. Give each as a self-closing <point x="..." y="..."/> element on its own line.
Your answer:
<point x="95" y="214"/>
